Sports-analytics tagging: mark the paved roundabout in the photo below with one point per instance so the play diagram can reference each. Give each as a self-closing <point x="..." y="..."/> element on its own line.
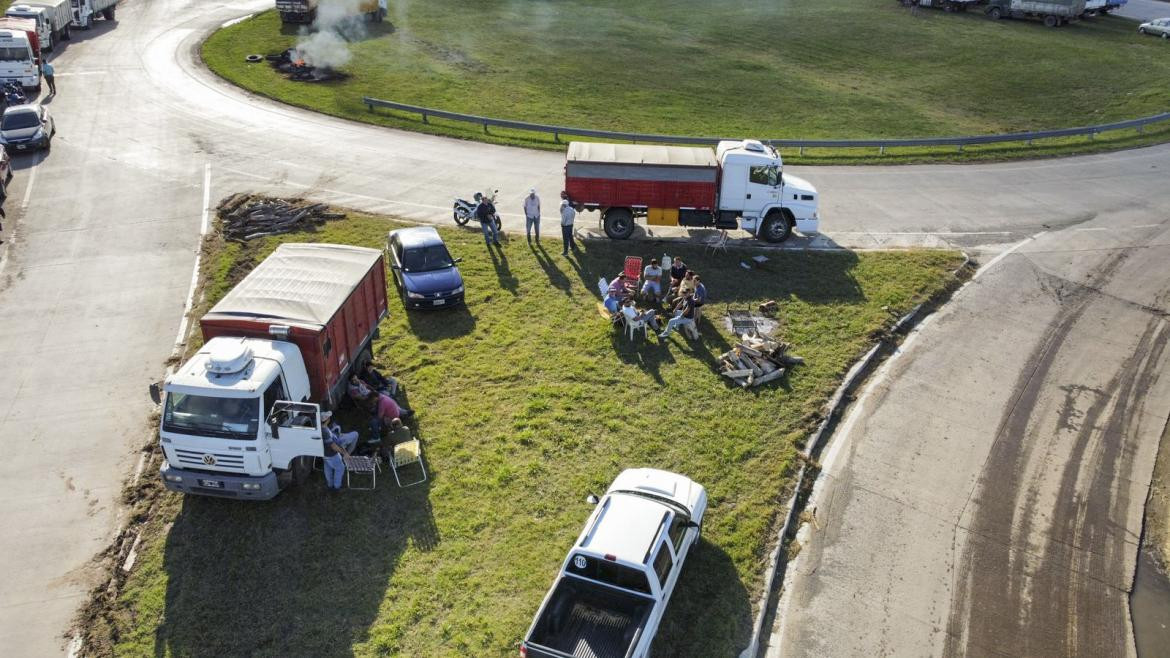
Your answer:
<point x="1042" y="377"/>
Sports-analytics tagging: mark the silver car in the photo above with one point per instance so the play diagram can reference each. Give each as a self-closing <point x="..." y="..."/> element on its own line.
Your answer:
<point x="26" y="128"/>
<point x="1159" y="27"/>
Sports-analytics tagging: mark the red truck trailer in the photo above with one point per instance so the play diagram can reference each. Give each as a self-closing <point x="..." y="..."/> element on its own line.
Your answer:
<point x="326" y="299"/>
<point x="740" y="184"/>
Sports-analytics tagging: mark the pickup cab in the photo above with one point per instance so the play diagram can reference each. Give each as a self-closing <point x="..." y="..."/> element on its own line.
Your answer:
<point x="615" y="583"/>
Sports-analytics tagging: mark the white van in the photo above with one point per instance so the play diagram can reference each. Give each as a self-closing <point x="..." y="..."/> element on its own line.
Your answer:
<point x="17" y="61"/>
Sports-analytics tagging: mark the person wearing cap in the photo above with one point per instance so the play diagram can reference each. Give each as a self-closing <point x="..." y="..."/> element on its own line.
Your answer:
<point x="568" y="214"/>
<point x="617" y="291"/>
<point x="347" y="440"/>
<point x="532" y="214"/>
<point x="485" y="213"/>
<point x="335" y="452"/>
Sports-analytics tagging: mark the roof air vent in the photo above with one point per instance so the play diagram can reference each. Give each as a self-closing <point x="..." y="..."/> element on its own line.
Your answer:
<point x="754" y="145"/>
<point x="229" y="356"/>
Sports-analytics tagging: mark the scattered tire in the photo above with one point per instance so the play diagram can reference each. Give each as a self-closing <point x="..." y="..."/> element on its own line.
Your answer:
<point x="619" y="223"/>
<point x="777" y="227"/>
<point x="252" y="59"/>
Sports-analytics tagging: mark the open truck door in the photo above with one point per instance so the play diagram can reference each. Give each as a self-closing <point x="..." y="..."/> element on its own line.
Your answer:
<point x="296" y="432"/>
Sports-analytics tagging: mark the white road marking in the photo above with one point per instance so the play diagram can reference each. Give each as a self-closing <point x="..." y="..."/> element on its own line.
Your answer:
<point x="32" y="177"/>
<point x="991" y="263"/>
<point x="233" y="21"/>
<point x="203" y="224"/>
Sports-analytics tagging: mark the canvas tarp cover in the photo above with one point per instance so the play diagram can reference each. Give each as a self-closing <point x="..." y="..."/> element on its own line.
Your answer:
<point x="304" y="283"/>
<point x="678" y="156"/>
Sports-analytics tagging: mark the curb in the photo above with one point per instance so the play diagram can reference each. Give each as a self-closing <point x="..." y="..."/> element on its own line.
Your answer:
<point x="841" y="398"/>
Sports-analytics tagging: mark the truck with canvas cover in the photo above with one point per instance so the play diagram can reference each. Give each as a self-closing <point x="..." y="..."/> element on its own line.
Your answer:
<point x="305" y="11"/>
<point x="241" y="418"/>
<point x="739" y="184"/>
<point x="20" y="52"/>
<point x="615" y="584"/>
<point x="949" y="5"/>
<point x="1054" y="13"/>
<point x="51" y="16"/>
<point x="85" y="12"/>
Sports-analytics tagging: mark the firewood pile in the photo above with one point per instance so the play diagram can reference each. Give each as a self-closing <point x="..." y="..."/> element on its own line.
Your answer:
<point x="757" y="359"/>
<point x="247" y="217"/>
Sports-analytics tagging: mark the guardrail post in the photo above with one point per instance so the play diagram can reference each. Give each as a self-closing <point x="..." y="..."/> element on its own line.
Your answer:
<point x="1092" y="135"/>
<point x="1141" y="128"/>
<point x="370" y="106"/>
<point x="1029" y="142"/>
<point x="960" y="148"/>
<point x="485" y="130"/>
<point x="424" y="116"/>
<point x="802" y="150"/>
<point x="556" y="137"/>
<point x="881" y="150"/>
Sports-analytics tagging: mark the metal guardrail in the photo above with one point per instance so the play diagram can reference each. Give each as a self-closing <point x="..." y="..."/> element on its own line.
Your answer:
<point x="881" y="144"/>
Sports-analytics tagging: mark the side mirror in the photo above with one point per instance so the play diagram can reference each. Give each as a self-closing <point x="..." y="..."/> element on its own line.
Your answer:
<point x="395" y="267"/>
<point x="592" y="500"/>
<point x="458" y="260"/>
<point x="156" y="393"/>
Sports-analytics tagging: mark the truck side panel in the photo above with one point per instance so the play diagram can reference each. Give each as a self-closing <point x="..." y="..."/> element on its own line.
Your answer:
<point x="626" y="185"/>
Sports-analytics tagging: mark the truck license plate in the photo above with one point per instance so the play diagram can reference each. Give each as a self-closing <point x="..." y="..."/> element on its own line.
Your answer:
<point x="21" y="147"/>
<point x="439" y="302"/>
<point x="211" y="484"/>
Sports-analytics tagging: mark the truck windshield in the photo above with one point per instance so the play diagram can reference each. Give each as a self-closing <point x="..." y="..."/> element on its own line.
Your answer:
<point x="202" y="415"/>
<point x="12" y="54"/>
<point x="425" y="259"/>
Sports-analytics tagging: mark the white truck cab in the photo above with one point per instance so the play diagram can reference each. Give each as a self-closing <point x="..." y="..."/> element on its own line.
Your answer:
<point x="38" y="15"/>
<point x="17" y="61"/>
<point x="617" y="580"/>
<point x="234" y="420"/>
<point x="754" y="184"/>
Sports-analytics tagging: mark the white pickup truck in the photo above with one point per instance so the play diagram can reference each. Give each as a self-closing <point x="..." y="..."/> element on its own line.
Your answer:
<point x="615" y="583"/>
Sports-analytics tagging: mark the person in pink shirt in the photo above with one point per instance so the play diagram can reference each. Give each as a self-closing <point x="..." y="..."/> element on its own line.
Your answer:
<point x="385" y="410"/>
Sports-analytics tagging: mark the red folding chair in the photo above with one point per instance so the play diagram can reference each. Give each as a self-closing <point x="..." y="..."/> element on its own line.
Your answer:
<point x="633" y="272"/>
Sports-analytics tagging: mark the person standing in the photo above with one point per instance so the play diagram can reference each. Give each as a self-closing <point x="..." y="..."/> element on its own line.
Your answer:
<point x="485" y="213"/>
<point x="568" y="214"/>
<point x="532" y="215"/>
<point x="47" y="71"/>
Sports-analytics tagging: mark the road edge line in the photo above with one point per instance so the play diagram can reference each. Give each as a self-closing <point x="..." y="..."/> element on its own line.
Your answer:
<point x="204" y="222"/>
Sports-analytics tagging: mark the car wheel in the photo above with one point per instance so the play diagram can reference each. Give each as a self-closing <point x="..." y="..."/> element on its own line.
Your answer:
<point x="619" y="223"/>
<point x="1166" y="35"/>
<point x="777" y="227"/>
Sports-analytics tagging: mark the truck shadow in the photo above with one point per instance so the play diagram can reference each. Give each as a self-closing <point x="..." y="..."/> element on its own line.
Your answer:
<point x="304" y="574"/>
<point x="78" y="35"/>
<point x="718" y="604"/>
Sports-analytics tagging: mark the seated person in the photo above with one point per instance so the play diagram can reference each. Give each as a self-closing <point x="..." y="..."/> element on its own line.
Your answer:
<point x="633" y="314"/>
<point x="700" y="297"/>
<point x="686" y="287"/>
<point x="359" y="391"/>
<point x="677" y="271"/>
<point x="399" y="433"/>
<point x="384" y="410"/>
<point x="377" y="381"/>
<point x="615" y="294"/>
<point x="334" y="433"/>
<point x="684" y="316"/>
<point x="652" y="273"/>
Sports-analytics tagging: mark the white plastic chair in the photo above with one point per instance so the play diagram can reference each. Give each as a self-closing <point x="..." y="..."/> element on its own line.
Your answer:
<point x="634" y="325"/>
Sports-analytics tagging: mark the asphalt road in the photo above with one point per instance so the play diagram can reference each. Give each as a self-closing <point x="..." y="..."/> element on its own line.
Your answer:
<point x="102" y="235"/>
<point x="1144" y="10"/>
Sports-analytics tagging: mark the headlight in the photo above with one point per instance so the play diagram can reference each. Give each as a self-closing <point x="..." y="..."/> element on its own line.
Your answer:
<point x="415" y="295"/>
<point x="174" y="478"/>
<point x="457" y="290"/>
<point x="251" y="486"/>
<point x="39" y="134"/>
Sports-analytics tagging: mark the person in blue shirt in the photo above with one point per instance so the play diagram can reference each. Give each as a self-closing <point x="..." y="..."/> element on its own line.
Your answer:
<point x="47" y="71"/>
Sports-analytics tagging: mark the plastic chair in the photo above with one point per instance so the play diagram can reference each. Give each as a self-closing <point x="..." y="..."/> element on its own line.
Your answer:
<point x="634" y="325"/>
<point x="405" y="454"/>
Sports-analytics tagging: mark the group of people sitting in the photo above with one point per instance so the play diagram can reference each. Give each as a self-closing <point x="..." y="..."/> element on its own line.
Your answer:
<point x="684" y="297"/>
<point x="376" y="393"/>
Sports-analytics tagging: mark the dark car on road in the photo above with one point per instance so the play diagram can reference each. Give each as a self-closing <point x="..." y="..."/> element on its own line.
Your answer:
<point x="424" y="272"/>
<point x="26" y="128"/>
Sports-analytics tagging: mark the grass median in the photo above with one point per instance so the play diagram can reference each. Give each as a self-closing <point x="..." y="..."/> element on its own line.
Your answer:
<point x="526" y="401"/>
<point x="835" y="69"/>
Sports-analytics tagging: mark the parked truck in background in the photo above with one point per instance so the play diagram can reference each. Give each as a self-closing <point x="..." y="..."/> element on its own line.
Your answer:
<point x="950" y="5"/>
<point x="85" y="12"/>
<point x="51" y="16"/>
<point x="241" y="418"/>
<point x="615" y="584"/>
<point x="305" y="11"/>
<point x="739" y="184"/>
<point x="1054" y="13"/>
<point x="1102" y="7"/>
<point x="20" y="52"/>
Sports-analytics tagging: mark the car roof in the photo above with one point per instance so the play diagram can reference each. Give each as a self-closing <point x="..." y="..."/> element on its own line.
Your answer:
<point x="626" y="527"/>
<point x="417" y="236"/>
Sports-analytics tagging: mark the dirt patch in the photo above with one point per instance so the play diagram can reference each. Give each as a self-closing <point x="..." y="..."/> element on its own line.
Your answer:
<point x="1158" y="505"/>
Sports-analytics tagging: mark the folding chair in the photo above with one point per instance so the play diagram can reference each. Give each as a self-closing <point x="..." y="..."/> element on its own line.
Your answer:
<point x="361" y="466"/>
<point x="717" y="242"/>
<point x="406" y="453"/>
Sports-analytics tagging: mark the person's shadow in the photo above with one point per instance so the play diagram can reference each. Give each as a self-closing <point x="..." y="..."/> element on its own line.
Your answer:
<point x="555" y="276"/>
<point x="508" y="281"/>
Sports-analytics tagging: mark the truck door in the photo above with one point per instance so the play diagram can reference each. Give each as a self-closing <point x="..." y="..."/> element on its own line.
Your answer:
<point x="294" y="430"/>
<point x="667" y="576"/>
<point x="763" y="189"/>
<point x="733" y="188"/>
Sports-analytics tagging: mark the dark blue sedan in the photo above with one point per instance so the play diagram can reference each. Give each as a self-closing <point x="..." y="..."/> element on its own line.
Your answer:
<point x="424" y="272"/>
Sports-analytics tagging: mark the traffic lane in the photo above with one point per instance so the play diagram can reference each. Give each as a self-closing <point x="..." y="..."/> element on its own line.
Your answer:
<point x="1144" y="10"/>
<point x="903" y="467"/>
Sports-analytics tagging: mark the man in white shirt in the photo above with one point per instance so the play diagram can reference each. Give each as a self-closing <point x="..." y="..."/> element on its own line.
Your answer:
<point x="568" y="214"/>
<point x="532" y="214"/>
<point x="652" y="275"/>
<point x="634" y="315"/>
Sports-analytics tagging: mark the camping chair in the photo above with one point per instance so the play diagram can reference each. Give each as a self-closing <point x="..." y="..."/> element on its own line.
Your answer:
<point x="355" y="464"/>
<point x="633" y="269"/>
<point x="406" y="453"/>
<point x="717" y="242"/>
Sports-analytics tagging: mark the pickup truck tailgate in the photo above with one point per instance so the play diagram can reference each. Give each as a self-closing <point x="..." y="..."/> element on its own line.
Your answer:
<point x="584" y="620"/>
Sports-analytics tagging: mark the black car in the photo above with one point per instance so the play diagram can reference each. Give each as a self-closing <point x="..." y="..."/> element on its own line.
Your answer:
<point x="424" y="272"/>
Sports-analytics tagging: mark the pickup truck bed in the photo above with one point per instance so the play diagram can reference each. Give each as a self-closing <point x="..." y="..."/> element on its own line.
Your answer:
<point x="585" y="620"/>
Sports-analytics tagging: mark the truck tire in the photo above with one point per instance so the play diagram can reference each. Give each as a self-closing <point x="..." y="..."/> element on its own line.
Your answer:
<point x="108" y="12"/>
<point x="619" y="223"/>
<point x="1051" y="21"/>
<point x="65" y="33"/>
<point x="88" y="25"/>
<point x="777" y="227"/>
<point x="995" y="13"/>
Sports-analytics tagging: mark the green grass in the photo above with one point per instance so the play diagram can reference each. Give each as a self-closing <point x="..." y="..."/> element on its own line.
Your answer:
<point x="758" y="68"/>
<point x="527" y="400"/>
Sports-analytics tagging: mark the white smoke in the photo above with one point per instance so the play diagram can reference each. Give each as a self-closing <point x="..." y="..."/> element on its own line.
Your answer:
<point x="325" y="44"/>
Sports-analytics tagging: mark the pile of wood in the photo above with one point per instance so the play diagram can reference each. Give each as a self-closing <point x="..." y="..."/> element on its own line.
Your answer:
<point x="756" y="360"/>
<point x="247" y="217"/>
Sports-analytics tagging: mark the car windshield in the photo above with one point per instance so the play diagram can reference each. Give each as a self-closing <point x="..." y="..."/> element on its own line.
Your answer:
<point x="18" y="120"/>
<point x="425" y="259"/>
<point x="203" y="415"/>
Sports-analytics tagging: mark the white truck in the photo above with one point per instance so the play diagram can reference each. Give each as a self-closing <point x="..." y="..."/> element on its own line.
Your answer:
<point x="19" y="60"/>
<point x="614" y="585"/>
<point x="86" y="11"/>
<point x="51" y="16"/>
<point x="241" y="418"/>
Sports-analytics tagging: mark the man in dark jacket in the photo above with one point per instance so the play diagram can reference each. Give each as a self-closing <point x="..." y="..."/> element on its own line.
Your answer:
<point x="485" y="212"/>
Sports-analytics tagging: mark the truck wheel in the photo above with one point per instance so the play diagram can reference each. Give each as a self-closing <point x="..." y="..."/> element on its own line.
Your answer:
<point x="65" y="34"/>
<point x="88" y="25"/>
<point x="777" y="227"/>
<point x="109" y="12"/>
<point x="1051" y="21"/>
<point x="995" y="13"/>
<point x="619" y="223"/>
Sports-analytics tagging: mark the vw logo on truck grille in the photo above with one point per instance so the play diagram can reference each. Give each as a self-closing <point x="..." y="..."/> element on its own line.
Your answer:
<point x="209" y="460"/>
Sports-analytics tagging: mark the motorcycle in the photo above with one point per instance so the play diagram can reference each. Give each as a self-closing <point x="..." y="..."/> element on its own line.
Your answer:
<point x="464" y="210"/>
<point x="13" y="94"/>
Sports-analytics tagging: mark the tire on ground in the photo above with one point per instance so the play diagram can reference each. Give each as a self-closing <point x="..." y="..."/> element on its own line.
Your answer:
<point x="619" y="223"/>
<point x="777" y="227"/>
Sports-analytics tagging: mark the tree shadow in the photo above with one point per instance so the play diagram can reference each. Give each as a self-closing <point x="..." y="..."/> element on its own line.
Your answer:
<point x="430" y="326"/>
<point x="718" y="603"/>
<point x="555" y="276"/>
<point x="304" y="574"/>
<point x="508" y="281"/>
